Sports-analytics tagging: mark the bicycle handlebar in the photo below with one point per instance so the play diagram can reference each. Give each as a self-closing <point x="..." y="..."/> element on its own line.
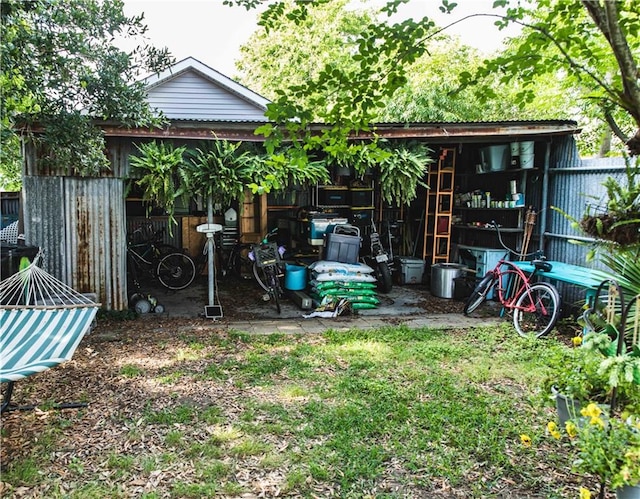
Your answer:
<point x="535" y="254"/>
<point x="272" y="232"/>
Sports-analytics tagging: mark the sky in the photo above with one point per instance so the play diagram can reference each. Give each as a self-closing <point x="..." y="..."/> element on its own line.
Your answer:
<point x="213" y="33"/>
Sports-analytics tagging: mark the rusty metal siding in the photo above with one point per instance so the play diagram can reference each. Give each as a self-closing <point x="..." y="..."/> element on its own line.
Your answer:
<point x="80" y="225"/>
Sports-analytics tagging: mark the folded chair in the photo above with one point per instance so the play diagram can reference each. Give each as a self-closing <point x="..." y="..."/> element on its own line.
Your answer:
<point x="42" y="321"/>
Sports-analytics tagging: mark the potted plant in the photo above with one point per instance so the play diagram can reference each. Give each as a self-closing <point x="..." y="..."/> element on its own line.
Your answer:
<point x="607" y="447"/>
<point x="617" y="218"/>
<point x="573" y="380"/>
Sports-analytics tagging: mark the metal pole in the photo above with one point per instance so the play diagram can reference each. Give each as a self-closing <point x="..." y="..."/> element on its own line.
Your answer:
<point x="545" y="196"/>
<point x="210" y="250"/>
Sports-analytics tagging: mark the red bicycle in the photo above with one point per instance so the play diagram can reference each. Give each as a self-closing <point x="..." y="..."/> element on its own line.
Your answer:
<point x="535" y="305"/>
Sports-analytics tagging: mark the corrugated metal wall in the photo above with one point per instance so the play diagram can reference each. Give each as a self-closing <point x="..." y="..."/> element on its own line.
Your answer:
<point x="80" y="225"/>
<point x="571" y="189"/>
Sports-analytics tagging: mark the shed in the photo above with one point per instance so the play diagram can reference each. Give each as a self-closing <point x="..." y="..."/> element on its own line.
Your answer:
<point x="81" y="223"/>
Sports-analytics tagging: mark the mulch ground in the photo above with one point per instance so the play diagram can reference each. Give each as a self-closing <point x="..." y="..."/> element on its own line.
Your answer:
<point x="94" y="375"/>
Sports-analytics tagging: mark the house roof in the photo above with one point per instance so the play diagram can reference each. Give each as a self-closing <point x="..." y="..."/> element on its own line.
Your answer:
<point x="190" y="90"/>
<point x="199" y="100"/>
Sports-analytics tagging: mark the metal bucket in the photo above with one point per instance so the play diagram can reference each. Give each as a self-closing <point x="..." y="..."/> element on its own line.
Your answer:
<point x="442" y="278"/>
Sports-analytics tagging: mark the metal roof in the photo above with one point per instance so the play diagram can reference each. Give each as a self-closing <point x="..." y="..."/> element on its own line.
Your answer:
<point x="442" y="132"/>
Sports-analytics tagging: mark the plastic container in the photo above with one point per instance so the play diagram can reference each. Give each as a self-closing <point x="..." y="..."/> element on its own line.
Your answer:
<point x="295" y="277"/>
<point x="412" y="270"/>
<point x="518" y="199"/>
<point x="443" y="277"/>
<point x="526" y="154"/>
<point x="495" y="158"/>
<point x="319" y="226"/>
<point x="231" y="218"/>
<point x="341" y="245"/>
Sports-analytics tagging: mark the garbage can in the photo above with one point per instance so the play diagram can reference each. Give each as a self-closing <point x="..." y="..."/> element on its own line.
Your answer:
<point x="442" y="278"/>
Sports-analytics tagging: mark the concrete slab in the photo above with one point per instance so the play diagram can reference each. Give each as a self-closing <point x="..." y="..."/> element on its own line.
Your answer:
<point x="245" y="311"/>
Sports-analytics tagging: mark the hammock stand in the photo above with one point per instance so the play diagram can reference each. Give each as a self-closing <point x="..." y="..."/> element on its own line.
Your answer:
<point x="42" y="321"/>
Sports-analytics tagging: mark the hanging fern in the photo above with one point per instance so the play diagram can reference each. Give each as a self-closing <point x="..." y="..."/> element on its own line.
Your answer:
<point x="155" y="172"/>
<point x="218" y="170"/>
<point x="402" y="171"/>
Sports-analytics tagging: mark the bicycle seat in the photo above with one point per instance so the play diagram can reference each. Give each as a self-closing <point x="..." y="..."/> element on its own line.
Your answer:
<point x="542" y="265"/>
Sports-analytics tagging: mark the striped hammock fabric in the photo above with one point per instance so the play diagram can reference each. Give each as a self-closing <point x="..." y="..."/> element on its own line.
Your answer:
<point x="42" y="321"/>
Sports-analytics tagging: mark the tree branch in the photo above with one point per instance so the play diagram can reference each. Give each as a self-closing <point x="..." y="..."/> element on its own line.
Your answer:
<point x="605" y="16"/>
<point x="614" y="126"/>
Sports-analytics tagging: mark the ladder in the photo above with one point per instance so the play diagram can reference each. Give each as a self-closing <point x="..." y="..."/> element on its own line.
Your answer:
<point x="439" y="208"/>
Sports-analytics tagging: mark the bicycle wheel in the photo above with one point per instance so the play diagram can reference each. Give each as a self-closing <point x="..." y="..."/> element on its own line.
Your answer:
<point x="536" y="310"/>
<point x="479" y="294"/>
<point x="176" y="271"/>
<point x="274" y="286"/>
<point x="383" y="274"/>
<point x="260" y="275"/>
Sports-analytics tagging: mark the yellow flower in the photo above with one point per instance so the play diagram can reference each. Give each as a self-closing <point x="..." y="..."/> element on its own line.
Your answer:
<point x="556" y="434"/>
<point x="552" y="426"/>
<point x="526" y="440"/>
<point x="592" y="411"/>
<point x="576" y="341"/>
<point x="585" y="493"/>
<point x="571" y="429"/>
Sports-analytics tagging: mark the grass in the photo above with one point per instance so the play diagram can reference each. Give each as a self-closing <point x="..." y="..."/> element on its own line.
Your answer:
<point x="391" y="412"/>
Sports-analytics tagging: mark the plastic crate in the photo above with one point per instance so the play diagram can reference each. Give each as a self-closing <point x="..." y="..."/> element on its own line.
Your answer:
<point x="266" y="254"/>
<point x="342" y="247"/>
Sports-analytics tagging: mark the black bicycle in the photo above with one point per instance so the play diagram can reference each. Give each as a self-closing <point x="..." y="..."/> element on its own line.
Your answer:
<point x="146" y="255"/>
<point x="268" y="269"/>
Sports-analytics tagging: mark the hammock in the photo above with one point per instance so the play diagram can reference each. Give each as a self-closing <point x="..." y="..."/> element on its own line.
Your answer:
<point x="42" y="322"/>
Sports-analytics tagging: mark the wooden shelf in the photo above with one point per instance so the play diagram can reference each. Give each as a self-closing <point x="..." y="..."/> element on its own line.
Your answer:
<point x="511" y="230"/>
<point x="498" y="172"/>
<point x="515" y="208"/>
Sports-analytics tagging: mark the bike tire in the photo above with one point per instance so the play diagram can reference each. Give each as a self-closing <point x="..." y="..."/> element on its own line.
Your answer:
<point x="176" y="271"/>
<point x="545" y="300"/>
<point x="260" y="276"/>
<point x="274" y="289"/>
<point x="479" y="294"/>
<point x="383" y="274"/>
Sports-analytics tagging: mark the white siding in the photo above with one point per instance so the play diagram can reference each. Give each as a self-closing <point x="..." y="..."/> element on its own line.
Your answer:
<point x="190" y="96"/>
